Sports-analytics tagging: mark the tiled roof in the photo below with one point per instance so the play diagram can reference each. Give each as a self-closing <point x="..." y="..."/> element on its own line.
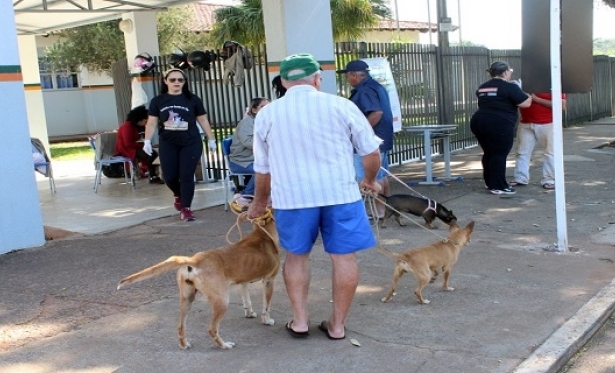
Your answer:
<point x="391" y="24"/>
<point x="203" y="15"/>
<point x="203" y="20"/>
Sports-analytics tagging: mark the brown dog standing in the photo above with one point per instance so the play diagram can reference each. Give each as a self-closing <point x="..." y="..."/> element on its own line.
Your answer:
<point x="429" y="260"/>
<point x="211" y="272"/>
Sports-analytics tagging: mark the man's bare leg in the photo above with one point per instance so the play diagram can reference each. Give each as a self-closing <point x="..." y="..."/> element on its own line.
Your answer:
<point x="380" y="208"/>
<point x="297" y="276"/>
<point x="345" y="279"/>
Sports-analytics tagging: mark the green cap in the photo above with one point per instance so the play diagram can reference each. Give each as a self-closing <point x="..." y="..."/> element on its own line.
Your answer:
<point x="298" y="66"/>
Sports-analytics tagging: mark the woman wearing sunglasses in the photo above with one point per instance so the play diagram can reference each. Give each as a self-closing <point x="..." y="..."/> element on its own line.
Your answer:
<point x="177" y="113"/>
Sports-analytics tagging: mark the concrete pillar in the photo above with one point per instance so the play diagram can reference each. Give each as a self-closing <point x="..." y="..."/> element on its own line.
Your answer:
<point x="141" y="36"/>
<point x="21" y="221"/>
<point x="299" y="26"/>
<point x="35" y="107"/>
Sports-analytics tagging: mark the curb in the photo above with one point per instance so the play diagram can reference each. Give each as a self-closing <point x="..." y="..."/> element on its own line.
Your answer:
<point x="557" y="350"/>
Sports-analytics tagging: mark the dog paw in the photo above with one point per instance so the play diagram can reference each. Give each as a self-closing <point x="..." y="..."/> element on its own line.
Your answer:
<point x="424" y="301"/>
<point x="267" y="320"/>
<point x="448" y="288"/>
<point x="250" y="314"/>
<point x="386" y="299"/>
<point x="227" y="345"/>
<point x="185" y="345"/>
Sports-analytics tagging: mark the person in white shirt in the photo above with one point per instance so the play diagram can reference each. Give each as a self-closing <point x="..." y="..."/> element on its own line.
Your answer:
<point x="303" y="157"/>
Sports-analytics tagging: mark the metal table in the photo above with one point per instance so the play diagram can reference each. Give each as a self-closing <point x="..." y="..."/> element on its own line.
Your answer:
<point x="431" y="132"/>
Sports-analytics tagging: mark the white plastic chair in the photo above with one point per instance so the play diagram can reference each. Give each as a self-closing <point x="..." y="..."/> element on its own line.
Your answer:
<point x="43" y="166"/>
<point x="104" y="148"/>
<point x="226" y="151"/>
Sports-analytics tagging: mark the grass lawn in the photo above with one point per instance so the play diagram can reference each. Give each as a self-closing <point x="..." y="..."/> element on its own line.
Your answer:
<point x="71" y="151"/>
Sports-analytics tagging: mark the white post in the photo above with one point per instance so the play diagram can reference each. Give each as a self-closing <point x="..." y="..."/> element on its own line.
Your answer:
<point x="429" y="21"/>
<point x="558" y="148"/>
<point x="397" y="18"/>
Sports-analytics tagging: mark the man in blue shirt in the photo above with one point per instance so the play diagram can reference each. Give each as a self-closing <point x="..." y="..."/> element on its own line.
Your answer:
<point x="373" y="100"/>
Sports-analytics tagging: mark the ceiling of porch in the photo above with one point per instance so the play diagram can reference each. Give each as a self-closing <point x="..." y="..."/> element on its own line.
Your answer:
<point x="40" y="17"/>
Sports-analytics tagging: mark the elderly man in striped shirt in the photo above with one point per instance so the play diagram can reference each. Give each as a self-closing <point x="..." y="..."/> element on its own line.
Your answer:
<point x="303" y="157"/>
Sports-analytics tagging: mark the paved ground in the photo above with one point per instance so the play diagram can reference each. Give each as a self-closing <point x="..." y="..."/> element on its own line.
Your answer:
<point x="517" y="307"/>
<point x="597" y="356"/>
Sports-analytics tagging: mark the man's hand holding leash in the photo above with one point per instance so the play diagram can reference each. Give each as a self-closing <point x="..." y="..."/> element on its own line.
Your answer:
<point x="371" y="165"/>
<point x="262" y="185"/>
<point x="370" y="188"/>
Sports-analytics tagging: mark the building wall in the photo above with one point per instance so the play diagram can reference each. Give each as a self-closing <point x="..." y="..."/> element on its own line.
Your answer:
<point x="89" y="108"/>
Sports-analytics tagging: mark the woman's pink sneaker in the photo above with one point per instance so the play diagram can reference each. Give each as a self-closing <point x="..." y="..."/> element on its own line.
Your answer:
<point x="178" y="203"/>
<point x="186" y="214"/>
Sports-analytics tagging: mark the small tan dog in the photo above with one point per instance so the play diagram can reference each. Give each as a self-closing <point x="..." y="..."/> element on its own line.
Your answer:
<point x="211" y="272"/>
<point x="429" y="260"/>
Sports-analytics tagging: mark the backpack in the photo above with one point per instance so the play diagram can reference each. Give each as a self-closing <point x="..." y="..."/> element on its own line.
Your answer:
<point x="114" y="170"/>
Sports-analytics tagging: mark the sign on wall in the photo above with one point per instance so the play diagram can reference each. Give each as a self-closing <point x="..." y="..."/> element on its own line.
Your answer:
<point x="380" y="70"/>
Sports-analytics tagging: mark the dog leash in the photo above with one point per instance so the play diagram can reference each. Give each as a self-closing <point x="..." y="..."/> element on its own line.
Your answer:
<point x="260" y="222"/>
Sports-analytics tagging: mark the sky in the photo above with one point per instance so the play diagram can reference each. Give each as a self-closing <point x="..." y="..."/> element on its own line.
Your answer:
<point x="495" y="24"/>
<point x="484" y="21"/>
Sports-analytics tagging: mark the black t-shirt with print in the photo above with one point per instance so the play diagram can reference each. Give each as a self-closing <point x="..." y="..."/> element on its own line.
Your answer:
<point x="500" y="97"/>
<point x="177" y="117"/>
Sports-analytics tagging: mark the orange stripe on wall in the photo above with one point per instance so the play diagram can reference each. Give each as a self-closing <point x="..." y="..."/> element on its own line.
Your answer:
<point x="11" y="77"/>
<point x="145" y="78"/>
<point x="35" y="87"/>
<point x="95" y="87"/>
<point x="276" y="68"/>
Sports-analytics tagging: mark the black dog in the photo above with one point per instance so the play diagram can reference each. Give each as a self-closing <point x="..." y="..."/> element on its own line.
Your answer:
<point x="429" y="209"/>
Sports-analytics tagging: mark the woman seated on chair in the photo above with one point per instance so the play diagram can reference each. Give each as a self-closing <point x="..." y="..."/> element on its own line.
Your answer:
<point x="241" y="157"/>
<point x="128" y="145"/>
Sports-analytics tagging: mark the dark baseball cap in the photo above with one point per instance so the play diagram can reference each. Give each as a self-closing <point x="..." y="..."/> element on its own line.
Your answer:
<point x="354" y="66"/>
<point x="498" y="67"/>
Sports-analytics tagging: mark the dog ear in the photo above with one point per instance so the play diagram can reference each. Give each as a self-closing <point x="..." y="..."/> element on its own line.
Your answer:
<point x="470" y="226"/>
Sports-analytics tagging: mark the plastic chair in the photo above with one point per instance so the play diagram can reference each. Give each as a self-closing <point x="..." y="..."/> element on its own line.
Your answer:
<point x="43" y="167"/>
<point x="226" y="151"/>
<point x="104" y="147"/>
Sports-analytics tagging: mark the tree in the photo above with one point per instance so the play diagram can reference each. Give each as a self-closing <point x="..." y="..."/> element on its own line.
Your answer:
<point x="245" y="24"/>
<point x="98" y="46"/>
<point x="604" y="47"/>
<point x="610" y="3"/>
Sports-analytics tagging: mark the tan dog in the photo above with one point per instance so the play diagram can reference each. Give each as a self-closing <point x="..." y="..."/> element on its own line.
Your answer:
<point x="211" y="272"/>
<point x="429" y="260"/>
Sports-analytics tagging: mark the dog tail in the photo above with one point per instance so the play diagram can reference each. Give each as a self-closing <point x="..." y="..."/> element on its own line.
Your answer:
<point x="388" y="253"/>
<point x="170" y="264"/>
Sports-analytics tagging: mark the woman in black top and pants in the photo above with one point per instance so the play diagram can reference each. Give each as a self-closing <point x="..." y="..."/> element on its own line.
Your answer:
<point x="177" y="113"/>
<point x="494" y="122"/>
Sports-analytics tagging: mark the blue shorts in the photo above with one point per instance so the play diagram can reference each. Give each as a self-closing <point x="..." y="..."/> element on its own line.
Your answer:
<point x="344" y="228"/>
<point x="360" y="172"/>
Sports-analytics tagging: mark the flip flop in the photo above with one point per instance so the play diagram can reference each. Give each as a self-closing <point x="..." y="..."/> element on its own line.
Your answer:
<point x="294" y="334"/>
<point x="323" y="328"/>
<point x="516" y="183"/>
<point x="548" y="186"/>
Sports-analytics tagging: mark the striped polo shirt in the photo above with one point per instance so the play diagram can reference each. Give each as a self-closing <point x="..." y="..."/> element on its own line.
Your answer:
<point x="305" y="141"/>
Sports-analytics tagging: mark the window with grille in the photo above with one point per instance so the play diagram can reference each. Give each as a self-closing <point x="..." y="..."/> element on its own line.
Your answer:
<point x="56" y="78"/>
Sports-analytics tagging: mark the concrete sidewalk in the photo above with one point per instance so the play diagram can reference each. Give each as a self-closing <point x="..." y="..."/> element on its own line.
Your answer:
<point x="517" y="307"/>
